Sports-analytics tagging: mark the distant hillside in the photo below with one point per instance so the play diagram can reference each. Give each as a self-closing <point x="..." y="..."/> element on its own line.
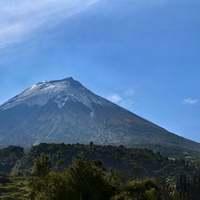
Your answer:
<point x="135" y="162"/>
<point x="9" y="156"/>
<point x="64" y="111"/>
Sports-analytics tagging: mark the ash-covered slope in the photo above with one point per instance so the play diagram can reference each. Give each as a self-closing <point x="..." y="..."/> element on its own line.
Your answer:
<point x="65" y="111"/>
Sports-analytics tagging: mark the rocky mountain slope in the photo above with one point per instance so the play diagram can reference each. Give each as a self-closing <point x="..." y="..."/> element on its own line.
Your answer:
<point x="64" y="111"/>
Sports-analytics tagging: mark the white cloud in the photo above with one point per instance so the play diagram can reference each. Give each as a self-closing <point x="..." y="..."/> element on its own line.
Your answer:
<point x="115" y="98"/>
<point x="124" y="100"/>
<point x="190" y="101"/>
<point x="20" y="18"/>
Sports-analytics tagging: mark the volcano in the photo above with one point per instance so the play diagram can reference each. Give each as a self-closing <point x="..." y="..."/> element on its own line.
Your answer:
<point x="64" y="111"/>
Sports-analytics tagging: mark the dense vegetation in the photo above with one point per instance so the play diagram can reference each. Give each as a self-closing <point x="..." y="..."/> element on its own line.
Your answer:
<point x="9" y="156"/>
<point x="66" y="171"/>
<point x="86" y="180"/>
<point x="143" y="161"/>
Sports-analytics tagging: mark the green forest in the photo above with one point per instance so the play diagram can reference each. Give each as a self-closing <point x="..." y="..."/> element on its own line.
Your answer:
<point x="94" y="172"/>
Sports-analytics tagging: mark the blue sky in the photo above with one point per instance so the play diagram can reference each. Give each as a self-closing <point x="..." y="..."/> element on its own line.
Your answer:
<point x="142" y="55"/>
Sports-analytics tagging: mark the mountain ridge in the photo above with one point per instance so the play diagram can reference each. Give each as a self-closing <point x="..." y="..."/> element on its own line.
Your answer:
<point x="65" y="111"/>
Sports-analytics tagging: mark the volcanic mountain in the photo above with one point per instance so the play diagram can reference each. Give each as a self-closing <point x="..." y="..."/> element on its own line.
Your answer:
<point x="64" y="111"/>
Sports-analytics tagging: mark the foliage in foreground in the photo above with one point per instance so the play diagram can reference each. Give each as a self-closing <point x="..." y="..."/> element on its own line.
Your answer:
<point x="87" y="181"/>
<point x="82" y="180"/>
<point x="14" y="188"/>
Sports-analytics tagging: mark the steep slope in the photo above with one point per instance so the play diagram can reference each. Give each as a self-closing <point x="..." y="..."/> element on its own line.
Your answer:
<point x="65" y="111"/>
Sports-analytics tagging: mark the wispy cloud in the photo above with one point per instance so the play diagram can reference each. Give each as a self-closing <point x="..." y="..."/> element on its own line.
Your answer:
<point x="129" y="92"/>
<point x="190" y="101"/>
<point x="115" y="98"/>
<point x="125" y="99"/>
<point x="20" y="18"/>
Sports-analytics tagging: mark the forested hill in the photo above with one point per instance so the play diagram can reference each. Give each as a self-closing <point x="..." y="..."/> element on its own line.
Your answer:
<point x="124" y="172"/>
<point x="135" y="162"/>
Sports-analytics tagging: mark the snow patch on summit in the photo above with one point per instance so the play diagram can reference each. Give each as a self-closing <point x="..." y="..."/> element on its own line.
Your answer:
<point x="58" y="91"/>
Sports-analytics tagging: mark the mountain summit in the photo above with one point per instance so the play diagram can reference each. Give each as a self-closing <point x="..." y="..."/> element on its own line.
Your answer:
<point x="60" y="92"/>
<point x="64" y="111"/>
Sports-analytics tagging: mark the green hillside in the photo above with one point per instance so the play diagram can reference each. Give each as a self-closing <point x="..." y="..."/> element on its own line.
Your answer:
<point x="57" y="171"/>
<point x="144" y="162"/>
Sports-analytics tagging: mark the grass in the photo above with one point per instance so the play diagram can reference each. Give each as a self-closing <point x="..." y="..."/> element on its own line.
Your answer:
<point x="15" y="188"/>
